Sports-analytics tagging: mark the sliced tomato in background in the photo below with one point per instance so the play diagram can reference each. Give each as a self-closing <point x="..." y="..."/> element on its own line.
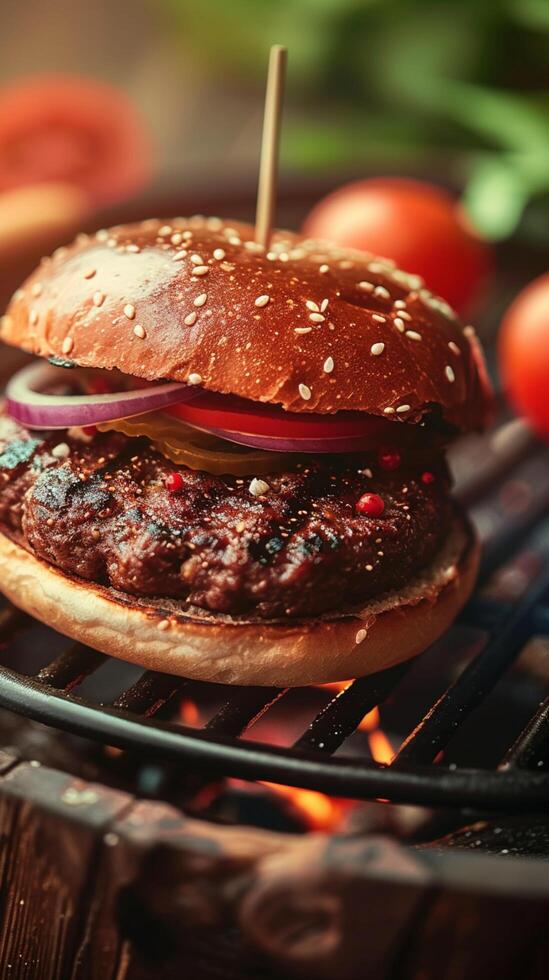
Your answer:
<point x="418" y="225"/>
<point x="74" y="130"/>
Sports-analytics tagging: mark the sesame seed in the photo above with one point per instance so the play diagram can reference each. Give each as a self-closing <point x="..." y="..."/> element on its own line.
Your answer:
<point x="369" y="568"/>
<point x="200" y="300"/>
<point x="328" y="365"/>
<point x="262" y="300"/>
<point x="377" y="349"/>
<point x="403" y="408"/>
<point x="412" y="334"/>
<point x="323" y="269"/>
<point x="302" y="330"/>
<point x="194" y="379"/>
<point x="389" y="410"/>
<point x="200" y="270"/>
<point x="305" y="392"/>
<point x="368" y="287"/>
<point x="469" y="331"/>
<point x="449" y="372"/>
<point x="197" y="259"/>
<point x="346" y="264"/>
<point x="311" y="305"/>
<point x="177" y="238"/>
<point x="102" y="235"/>
<point x="399" y="324"/>
<point x="382" y="292"/>
<point x="404" y="315"/>
<point x="36" y="289"/>
<point x="98" y="298"/>
<point x="324" y="305"/>
<point x="182" y="254"/>
<point x="316" y="317"/>
<point x="258" y="487"/>
<point x="163" y="625"/>
<point x="165" y="230"/>
<point x="139" y="331"/>
<point x="360" y="636"/>
<point x="271" y="256"/>
<point x="133" y="248"/>
<point x="399" y="304"/>
<point x="234" y="240"/>
<point x="68" y="344"/>
<point x="454" y="347"/>
<point x="33" y="318"/>
<point x="219" y="253"/>
<point x="18" y="295"/>
<point x="190" y="319"/>
<point x="61" y="451"/>
<point x="378" y="318"/>
<point x="187" y="234"/>
<point x="90" y="273"/>
<point x="129" y="311"/>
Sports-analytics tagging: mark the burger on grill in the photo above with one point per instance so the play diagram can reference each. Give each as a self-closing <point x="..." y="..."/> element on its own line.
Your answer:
<point x="230" y="462"/>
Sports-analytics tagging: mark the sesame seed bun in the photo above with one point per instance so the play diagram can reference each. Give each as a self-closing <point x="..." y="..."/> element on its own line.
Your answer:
<point x="305" y="325"/>
<point x="164" y="635"/>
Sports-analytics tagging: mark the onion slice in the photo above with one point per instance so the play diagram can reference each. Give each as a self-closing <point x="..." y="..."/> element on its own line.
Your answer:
<point x="27" y="403"/>
<point x="283" y="444"/>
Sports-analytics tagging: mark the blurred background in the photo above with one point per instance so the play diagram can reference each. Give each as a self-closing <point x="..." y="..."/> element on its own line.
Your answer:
<point x="168" y="116"/>
<point x="455" y="88"/>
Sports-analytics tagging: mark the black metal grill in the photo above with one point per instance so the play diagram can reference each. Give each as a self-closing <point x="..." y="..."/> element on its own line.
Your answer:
<point x="504" y="480"/>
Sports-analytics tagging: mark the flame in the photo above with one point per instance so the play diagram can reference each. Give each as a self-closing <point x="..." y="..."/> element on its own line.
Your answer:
<point x="189" y="713"/>
<point x="370" y="721"/>
<point x="335" y="685"/>
<point x="320" y="812"/>
<point x="380" y="746"/>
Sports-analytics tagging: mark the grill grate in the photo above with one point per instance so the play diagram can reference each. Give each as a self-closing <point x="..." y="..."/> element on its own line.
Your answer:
<point x="508" y="496"/>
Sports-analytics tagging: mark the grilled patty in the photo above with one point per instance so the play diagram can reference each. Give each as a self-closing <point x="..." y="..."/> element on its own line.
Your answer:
<point x="99" y="508"/>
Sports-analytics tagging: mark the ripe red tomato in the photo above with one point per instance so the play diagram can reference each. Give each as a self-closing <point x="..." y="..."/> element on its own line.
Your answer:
<point x="524" y="353"/>
<point x="416" y="224"/>
<point x="75" y="131"/>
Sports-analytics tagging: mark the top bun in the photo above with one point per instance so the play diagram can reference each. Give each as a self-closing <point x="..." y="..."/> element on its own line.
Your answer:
<point x="305" y="325"/>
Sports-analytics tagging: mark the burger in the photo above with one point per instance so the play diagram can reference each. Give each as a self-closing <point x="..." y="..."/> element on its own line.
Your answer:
<point x="229" y="462"/>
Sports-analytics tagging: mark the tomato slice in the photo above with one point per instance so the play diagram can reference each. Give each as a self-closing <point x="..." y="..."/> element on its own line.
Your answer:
<point x="232" y="416"/>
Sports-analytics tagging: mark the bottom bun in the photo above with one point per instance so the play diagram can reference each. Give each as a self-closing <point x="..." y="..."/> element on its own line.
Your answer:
<point x="168" y="636"/>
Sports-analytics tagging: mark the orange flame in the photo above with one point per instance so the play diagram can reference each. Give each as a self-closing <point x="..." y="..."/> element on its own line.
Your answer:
<point x="189" y="713"/>
<point x="320" y="812"/>
<point x="380" y="746"/>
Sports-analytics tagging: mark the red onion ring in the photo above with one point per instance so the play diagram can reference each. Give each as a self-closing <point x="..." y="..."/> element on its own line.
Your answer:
<point x="281" y="444"/>
<point x="26" y="402"/>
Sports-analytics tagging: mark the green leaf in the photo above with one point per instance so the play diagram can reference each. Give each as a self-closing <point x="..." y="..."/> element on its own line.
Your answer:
<point x="495" y="197"/>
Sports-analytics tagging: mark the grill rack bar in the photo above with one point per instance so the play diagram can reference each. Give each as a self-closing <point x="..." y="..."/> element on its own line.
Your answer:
<point x="129" y="722"/>
<point x="477" y="680"/>
<point x="342" y="716"/>
<point x="342" y="776"/>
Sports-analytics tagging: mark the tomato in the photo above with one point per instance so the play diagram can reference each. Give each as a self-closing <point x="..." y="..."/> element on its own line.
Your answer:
<point x="270" y="427"/>
<point x="416" y="224"/>
<point x="232" y="414"/>
<point x="74" y="131"/>
<point x="524" y="353"/>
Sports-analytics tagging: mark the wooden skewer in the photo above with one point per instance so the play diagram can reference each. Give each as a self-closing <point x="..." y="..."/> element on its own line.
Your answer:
<point x="268" y="164"/>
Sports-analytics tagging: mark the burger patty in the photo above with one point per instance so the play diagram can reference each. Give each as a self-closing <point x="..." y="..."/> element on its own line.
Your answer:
<point x="99" y="508"/>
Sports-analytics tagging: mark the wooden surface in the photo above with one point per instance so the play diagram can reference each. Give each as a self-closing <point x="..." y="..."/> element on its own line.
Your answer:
<point x="95" y="884"/>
